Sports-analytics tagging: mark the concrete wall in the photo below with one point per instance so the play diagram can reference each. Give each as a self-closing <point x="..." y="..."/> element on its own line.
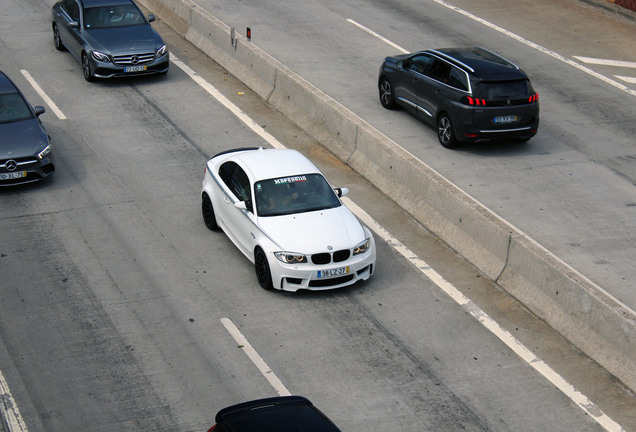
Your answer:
<point x="580" y="311"/>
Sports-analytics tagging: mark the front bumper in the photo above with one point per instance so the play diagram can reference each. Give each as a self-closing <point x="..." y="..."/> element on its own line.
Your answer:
<point x="306" y="276"/>
<point x="28" y="170"/>
<point x="109" y="70"/>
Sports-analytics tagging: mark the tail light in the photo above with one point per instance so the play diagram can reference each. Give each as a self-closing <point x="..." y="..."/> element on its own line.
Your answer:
<point x="533" y="98"/>
<point x="467" y="100"/>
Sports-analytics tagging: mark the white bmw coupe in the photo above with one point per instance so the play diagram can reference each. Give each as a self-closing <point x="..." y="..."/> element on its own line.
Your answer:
<point x="281" y="212"/>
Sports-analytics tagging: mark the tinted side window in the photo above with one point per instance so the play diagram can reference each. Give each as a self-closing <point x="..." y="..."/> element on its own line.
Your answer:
<point x="236" y="180"/>
<point x="419" y="63"/>
<point x="458" y="79"/>
<point x="440" y="70"/>
<point x="72" y="9"/>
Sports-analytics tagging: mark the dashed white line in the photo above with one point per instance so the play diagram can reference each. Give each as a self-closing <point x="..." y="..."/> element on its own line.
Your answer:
<point x="58" y="112"/>
<point x="606" y="62"/>
<point x="631" y="80"/>
<point x="212" y="91"/>
<point x="256" y="359"/>
<point x="517" y="38"/>
<point x="9" y="409"/>
<point x="374" y="34"/>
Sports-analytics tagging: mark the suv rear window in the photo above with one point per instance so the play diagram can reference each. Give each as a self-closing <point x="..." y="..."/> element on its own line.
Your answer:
<point x="503" y="90"/>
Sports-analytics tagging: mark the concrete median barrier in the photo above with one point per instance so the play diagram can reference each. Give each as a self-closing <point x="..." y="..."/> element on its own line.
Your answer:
<point x="583" y="313"/>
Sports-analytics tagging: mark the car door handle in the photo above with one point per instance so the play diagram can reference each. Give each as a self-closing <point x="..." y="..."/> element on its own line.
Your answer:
<point x="227" y="200"/>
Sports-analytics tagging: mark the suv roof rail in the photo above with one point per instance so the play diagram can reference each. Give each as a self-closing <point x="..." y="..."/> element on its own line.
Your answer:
<point x="452" y="59"/>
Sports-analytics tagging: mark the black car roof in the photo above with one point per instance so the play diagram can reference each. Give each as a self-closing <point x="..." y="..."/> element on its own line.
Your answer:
<point x="481" y="63"/>
<point x="6" y="85"/>
<point x="97" y="3"/>
<point x="276" y="414"/>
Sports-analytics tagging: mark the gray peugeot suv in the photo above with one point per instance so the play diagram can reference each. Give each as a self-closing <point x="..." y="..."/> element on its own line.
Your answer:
<point x="470" y="94"/>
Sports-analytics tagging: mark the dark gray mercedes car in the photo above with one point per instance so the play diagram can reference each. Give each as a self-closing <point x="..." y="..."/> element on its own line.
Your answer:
<point x="469" y="94"/>
<point x="109" y="38"/>
<point x="25" y="148"/>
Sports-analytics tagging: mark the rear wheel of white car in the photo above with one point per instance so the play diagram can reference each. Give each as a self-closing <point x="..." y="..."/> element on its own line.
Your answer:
<point x="261" y="266"/>
<point x="208" y="213"/>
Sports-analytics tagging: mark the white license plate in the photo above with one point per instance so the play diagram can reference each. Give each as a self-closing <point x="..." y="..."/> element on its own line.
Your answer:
<point x="505" y="119"/>
<point x="13" y="175"/>
<point x="134" y="68"/>
<point x="333" y="272"/>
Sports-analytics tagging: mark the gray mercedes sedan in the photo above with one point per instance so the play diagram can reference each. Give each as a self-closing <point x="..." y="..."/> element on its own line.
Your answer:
<point x="109" y="38"/>
<point x="25" y="147"/>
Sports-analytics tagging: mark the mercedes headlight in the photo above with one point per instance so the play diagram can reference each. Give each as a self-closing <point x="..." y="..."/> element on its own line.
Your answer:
<point x="100" y="56"/>
<point x="161" y="51"/>
<point x="44" y="152"/>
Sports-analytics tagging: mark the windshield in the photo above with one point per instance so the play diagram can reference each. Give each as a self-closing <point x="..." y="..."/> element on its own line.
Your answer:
<point x="296" y="194"/>
<point x="112" y="16"/>
<point x="13" y="108"/>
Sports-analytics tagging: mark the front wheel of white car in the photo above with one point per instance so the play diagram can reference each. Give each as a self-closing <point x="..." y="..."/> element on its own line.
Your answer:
<point x="208" y="213"/>
<point x="263" y="274"/>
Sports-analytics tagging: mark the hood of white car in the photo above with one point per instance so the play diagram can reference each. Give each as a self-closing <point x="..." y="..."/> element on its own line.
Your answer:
<point x="315" y="231"/>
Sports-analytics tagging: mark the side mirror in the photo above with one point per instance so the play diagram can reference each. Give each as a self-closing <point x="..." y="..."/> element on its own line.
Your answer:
<point x="244" y="205"/>
<point x="73" y="24"/>
<point x="400" y="63"/>
<point x="38" y="110"/>
<point x="341" y="192"/>
<point x="151" y="18"/>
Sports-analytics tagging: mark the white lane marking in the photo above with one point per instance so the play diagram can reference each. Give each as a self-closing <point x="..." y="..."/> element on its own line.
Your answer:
<point x="227" y="103"/>
<point x="606" y="62"/>
<point x="43" y="95"/>
<point x="374" y="34"/>
<point x="9" y="409"/>
<point x="256" y="359"/>
<point x="538" y="47"/>
<point x="525" y="354"/>
<point x="525" y="42"/>
<point x="506" y="337"/>
<point x="631" y="80"/>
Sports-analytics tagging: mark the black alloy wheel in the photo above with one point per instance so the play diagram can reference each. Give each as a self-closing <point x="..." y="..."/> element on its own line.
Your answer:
<point x="263" y="274"/>
<point x="387" y="99"/>
<point x="208" y="213"/>
<point x="445" y="131"/>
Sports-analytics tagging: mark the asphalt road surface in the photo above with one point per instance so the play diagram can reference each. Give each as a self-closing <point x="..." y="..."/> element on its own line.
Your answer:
<point x="116" y="302"/>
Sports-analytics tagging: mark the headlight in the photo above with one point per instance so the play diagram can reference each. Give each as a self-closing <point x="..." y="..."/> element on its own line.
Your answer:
<point x="161" y="51"/>
<point x="290" y="257"/>
<point x="362" y="247"/>
<point x="101" y="56"/>
<point x="44" y="152"/>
